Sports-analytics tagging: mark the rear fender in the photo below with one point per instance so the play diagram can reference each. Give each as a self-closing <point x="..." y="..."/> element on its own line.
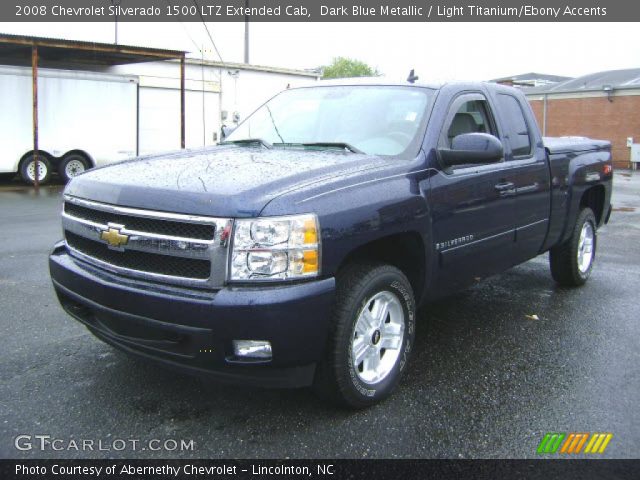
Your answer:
<point x="584" y="171"/>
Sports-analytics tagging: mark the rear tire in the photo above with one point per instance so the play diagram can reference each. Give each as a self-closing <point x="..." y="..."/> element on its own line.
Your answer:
<point x="73" y="165"/>
<point x="371" y="336"/>
<point x="571" y="263"/>
<point x="27" y="170"/>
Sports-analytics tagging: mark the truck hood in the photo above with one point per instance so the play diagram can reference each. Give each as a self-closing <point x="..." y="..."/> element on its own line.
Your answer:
<point x="227" y="181"/>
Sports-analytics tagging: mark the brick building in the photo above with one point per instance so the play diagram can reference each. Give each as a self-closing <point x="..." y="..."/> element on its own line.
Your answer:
<point x="604" y="105"/>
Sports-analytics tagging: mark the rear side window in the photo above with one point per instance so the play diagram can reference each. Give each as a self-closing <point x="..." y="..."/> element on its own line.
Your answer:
<point x="516" y="125"/>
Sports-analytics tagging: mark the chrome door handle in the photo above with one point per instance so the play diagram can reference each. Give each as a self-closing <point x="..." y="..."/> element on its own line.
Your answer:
<point x="506" y="188"/>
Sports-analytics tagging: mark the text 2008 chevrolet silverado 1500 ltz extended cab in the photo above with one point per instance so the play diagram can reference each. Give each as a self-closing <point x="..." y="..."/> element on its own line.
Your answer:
<point x="296" y="253"/>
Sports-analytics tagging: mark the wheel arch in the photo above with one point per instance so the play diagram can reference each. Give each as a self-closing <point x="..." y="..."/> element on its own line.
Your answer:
<point x="50" y="158"/>
<point x="405" y="251"/>
<point x="594" y="198"/>
<point x="82" y="153"/>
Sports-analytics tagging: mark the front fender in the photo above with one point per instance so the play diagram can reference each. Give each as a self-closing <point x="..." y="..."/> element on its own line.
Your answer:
<point x="355" y="212"/>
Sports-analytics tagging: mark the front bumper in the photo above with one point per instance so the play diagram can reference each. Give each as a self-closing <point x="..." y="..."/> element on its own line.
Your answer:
<point x="192" y="330"/>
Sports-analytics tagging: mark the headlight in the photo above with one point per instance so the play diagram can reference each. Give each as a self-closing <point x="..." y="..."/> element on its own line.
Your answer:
<point x="275" y="248"/>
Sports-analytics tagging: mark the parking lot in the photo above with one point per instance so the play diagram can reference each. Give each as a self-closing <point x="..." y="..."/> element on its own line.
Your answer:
<point x="487" y="379"/>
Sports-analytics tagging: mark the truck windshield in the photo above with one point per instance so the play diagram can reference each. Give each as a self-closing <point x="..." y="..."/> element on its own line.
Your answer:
<point x="376" y="120"/>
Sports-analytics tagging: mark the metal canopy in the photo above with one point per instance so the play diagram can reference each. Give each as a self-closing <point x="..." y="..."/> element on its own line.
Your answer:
<point x="26" y="50"/>
<point x="16" y="49"/>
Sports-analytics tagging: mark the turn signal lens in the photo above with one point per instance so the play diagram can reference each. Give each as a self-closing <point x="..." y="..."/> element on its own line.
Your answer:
<point x="310" y="261"/>
<point x="310" y="232"/>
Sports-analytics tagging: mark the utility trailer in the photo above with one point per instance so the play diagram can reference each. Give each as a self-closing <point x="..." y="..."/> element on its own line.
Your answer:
<point x="86" y="119"/>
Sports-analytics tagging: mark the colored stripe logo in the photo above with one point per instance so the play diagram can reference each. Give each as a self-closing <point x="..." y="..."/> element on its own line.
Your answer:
<point x="573" y="443"/>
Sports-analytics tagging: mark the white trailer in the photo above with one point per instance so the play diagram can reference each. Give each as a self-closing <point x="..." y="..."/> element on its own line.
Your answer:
<point x="85" y="119"/>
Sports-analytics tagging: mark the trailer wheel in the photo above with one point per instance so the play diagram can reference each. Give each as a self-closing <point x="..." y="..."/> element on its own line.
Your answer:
<point x="28" y="169"/>
<point x="72" y="165"/>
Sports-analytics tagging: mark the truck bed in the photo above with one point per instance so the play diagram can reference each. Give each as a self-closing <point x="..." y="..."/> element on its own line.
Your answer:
<point x="574" y="144"/>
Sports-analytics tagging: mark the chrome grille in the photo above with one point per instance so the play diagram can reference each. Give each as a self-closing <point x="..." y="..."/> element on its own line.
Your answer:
<point x="159" y="226"/>
<point x="141" y="261"/>
<point x="159" y="246"/>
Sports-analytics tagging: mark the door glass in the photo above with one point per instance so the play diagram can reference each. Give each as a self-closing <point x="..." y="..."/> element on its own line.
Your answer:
<point x="516" y="125"/>
<point x="472" y="116"/>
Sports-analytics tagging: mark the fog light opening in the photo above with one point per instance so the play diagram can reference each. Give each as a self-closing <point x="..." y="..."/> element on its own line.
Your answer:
<point x="260" y="349"/>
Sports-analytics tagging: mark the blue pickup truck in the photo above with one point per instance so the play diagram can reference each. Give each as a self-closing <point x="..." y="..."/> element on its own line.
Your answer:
<point x="297" y="252"/>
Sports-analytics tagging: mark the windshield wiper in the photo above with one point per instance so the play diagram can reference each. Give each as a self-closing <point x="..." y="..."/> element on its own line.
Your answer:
<point x="274" y="123"/>
<point x="341" y="145"/>
<point x="248" y="141"/>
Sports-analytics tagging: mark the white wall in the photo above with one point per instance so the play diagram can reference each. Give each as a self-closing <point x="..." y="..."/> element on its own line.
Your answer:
<point x="97" y="112"/>
<point x="93" y="112"/>
<point x="230" y="89"/>
<point x="160" y="119"/>
<point x="243" y="91"/>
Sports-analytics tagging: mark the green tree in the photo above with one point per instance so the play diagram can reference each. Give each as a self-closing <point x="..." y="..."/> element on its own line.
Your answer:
<point x="342" y="67"/>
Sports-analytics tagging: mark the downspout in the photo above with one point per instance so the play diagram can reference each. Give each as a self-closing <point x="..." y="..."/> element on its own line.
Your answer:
<point x="544" y="115"/>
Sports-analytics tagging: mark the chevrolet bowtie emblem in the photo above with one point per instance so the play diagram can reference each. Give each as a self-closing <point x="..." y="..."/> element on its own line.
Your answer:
<point x="113" y="237"/>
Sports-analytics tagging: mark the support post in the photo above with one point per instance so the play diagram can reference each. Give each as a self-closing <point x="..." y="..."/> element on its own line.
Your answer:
<point x="246" y="33"/>
<point x="34" y="75"/>
<point x="182" y="102"/>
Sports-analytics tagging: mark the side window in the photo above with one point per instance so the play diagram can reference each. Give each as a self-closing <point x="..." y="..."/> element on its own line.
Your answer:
<point x="516" y="125"/>
<point x="472" y="116"/>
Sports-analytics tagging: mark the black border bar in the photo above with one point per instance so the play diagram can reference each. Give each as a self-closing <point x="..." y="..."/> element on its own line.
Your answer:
<point x="320" y="469"/>
<point x="320" y="11"/>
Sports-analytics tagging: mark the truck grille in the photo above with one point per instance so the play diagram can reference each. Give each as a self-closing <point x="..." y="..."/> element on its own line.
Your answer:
<point x="140" y="261"/>
<point x="166" y="247"/>
<point x="162" y="227"/>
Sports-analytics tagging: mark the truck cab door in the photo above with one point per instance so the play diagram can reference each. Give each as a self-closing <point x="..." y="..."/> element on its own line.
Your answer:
<point x="473" y="205"/>
<point x="528" y="162"/>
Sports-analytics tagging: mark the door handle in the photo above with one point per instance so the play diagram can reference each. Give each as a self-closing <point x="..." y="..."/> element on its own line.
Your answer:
<point x="506" y="189"/>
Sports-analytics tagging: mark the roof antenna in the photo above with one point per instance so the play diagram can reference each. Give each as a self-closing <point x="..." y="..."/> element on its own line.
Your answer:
<point x="412" y="76"/>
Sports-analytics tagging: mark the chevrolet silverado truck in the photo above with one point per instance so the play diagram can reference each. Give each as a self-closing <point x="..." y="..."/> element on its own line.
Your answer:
<point x="297" y="252"/>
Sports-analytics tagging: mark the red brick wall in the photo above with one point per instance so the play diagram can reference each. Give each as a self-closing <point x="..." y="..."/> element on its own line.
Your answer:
<point x="596" y="118"/>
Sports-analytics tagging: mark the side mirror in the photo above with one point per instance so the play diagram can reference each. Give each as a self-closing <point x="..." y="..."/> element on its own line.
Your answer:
<point x="472" y="148"/>
<point x="226" y="131"/>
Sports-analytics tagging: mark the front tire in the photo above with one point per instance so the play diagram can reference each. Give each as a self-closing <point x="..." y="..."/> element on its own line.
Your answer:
<point x="28" y="170"/>
<point x="371" y="335"/>
<point x="571" y="263"/>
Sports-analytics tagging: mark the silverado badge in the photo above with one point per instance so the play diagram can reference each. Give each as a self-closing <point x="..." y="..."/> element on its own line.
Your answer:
<point x="113" y="236"/>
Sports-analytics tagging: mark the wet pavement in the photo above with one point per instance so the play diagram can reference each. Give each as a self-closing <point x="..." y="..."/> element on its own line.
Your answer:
<point x="486" y="379"/>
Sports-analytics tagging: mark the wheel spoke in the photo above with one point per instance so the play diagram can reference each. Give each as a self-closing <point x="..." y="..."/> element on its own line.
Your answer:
<point x="391" y="328"/>
<point x="368" y="319"/>
<point x="391" y="342"/>
<point x="360" y="350"/>
<point x="588" y="245"/>
<point x="361" y="326"/>
<point x="372" y="361"/>
<point x="380" y="311"/>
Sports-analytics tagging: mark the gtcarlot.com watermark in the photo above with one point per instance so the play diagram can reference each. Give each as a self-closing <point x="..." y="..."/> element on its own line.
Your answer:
<point x="48" y="443"/>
